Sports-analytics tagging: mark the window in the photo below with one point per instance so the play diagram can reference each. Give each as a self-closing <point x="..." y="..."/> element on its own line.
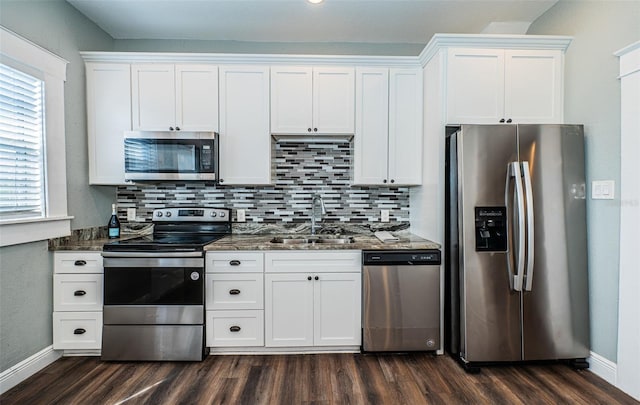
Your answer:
<point x="33" y="175"/>
<point x="22" y="177"/>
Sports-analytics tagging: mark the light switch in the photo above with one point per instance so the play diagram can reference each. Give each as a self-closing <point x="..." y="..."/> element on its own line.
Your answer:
<point x="603" y="189"/>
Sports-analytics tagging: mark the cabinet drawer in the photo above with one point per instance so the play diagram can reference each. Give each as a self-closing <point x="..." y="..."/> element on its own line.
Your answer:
<point x="234" y="262"/>
<point x="77" y="292"/>
<point x="235" y="328"/>
<point x="77" y="330"/>
<point x="77" y="262"/>
<point x="235" y="291"/>
<point x="332" y="261"/>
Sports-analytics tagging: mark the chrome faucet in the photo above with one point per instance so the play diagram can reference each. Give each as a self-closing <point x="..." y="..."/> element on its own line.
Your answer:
<point x="323" y="211"/>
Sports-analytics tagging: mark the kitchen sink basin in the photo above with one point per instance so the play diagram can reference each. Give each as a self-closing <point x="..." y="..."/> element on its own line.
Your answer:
<point x="292" y="240"/>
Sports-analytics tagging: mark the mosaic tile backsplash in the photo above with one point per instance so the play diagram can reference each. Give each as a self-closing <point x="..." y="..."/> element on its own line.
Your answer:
<point x="299" y="170"/>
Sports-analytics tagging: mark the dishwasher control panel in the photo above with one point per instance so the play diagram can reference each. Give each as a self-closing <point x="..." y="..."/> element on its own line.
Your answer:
<point x="430" y="257"/>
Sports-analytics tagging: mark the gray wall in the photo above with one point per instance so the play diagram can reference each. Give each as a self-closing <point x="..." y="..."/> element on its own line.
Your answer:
<point x="323" y="48"/>
<point x="26" y="270"/>
<point x="592" y="97"/>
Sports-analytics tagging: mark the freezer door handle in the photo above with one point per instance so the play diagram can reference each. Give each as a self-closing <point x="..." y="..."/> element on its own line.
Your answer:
<point x="514" y="172"/>
<point x="528" y="275"/>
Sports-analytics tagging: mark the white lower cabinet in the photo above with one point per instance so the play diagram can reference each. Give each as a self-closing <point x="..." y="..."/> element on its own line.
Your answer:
<point x="77" y="330"/>
<point x="77" y="301"/>
<point x="235" y="328"/>
<point x="312" y="299"/>
<point x="234" y="299"/>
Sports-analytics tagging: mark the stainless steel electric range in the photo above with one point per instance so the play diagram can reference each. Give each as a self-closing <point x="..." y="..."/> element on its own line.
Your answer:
<point x="154" y="287"/>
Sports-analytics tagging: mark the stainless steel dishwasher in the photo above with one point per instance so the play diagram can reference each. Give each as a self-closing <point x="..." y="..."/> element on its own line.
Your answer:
<point x="401" y="300"/>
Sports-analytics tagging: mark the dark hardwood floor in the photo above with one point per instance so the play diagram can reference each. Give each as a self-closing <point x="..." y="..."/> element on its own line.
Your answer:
<point x="310" y="379"/>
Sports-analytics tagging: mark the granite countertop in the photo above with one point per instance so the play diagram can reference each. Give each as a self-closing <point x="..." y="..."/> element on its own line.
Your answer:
<point x="361" y="242"/>
<point x="259" y="238"/>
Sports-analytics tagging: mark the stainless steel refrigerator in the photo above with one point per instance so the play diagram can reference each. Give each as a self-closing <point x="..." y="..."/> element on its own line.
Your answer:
<point x="516" y="244"/>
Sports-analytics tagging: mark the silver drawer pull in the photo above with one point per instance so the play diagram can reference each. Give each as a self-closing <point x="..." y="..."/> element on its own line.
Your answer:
<point x="235" y="291"/>
<point x="234" y="263"/>
<point x="79" y="331"/>
<point x="79" y="293"/>
<point x="234" y="329"/>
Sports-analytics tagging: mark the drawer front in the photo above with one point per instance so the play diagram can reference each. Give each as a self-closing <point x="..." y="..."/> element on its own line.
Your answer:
<point x="77" y="292"/>
<point x="327" y="261"/>
<point x="234" y="262"/>
<point x="77" y="330"/>
<point x="235" y="328"/>
<point x="77" y="262"/>
<point x="235" y="291"/>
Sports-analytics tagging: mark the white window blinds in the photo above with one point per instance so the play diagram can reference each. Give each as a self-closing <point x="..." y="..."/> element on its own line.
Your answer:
<point x="22" y="191"/>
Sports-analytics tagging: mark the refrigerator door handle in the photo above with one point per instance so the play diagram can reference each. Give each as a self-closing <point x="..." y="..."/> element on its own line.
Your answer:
<point x="528" y="275"/>
<point x="513" y="171"/>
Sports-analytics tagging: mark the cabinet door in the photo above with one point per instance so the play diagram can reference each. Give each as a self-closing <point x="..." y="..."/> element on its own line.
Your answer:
<point x="291" y="100"/>
<point x="337" y="318"/>
<point x="154" y="97"/>
<point x="288" y="310"/>
<point x="533" y="86"/>
<point x="372" y="126"/>
<point x="245" y="141"/>
<point x="333" y="100"/>
<point x="475" y="86"/>
<point x="405" y="126"/>
<point x="197" y="97"/>
<point x="108" y="116"/>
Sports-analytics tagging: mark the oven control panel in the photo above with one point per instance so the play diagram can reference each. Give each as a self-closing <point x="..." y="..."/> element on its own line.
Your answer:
<point x="192" y="215"/>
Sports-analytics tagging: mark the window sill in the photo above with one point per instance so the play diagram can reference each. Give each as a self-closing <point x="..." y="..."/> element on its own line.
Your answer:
<point x="14" y="232"/>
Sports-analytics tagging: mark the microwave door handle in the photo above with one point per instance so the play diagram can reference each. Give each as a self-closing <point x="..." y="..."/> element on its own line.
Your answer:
<point x="530" y="226"/>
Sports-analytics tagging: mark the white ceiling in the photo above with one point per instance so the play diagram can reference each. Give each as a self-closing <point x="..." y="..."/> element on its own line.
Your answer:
<point x="361" y="21"/>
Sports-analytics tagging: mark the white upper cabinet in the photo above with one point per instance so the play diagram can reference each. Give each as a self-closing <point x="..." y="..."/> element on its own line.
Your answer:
<point x="318" y="100"/>
<point x="197" y="97"/>
<point x="491" y="86"/>
<point x="245" y="142"/>
<point x="533" y="86"/>
<point x="388" y="132"/>
<point x="371" y="139"/>
<point x="405" y="126"/>
<point x="108" y="116"/>
<point x="169" y="97"/>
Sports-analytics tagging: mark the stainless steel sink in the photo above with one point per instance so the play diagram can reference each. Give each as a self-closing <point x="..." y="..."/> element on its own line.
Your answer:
<point x="292" y="240"/>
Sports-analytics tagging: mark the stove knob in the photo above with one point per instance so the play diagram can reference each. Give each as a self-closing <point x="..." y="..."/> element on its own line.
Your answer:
<point x="214" y="214"/>
<point x="168" y="214"/>
<point x="195" y="276"/>
<point x="222" y="215"/>
<point x="159" y="214"/>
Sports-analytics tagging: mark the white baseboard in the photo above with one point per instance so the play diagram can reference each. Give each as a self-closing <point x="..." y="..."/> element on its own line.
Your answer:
<point x="603" y="368"/>
<point x="26" y="368"/>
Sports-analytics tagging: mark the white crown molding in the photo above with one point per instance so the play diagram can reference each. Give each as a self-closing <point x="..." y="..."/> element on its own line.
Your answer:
<point x="262" y="59"/>
<point x="439" y="41"/>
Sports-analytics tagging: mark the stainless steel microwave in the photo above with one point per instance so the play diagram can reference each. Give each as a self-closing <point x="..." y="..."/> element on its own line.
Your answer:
<point x="170" y="156"/>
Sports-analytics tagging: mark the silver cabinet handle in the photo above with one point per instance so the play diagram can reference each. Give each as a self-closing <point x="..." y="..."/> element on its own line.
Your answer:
<point x="528" y="275"/>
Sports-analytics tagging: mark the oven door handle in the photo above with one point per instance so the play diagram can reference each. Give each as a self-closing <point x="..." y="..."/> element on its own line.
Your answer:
<point x="133" y="255"/>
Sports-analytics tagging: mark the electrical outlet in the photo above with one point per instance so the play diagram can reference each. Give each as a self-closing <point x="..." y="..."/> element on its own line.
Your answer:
<point x="384" y="215"/>
<point x="240" y="217"/>
<point x="131" y="214"/>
